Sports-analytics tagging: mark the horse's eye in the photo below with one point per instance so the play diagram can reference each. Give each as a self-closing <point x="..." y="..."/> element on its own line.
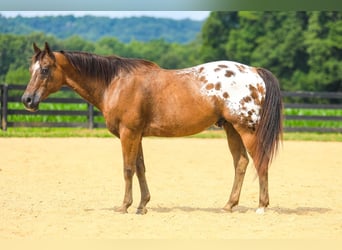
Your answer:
<point x="44" y="71"/>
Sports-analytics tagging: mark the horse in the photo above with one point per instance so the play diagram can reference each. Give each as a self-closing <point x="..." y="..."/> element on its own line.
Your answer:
<point x="138" y="98"/>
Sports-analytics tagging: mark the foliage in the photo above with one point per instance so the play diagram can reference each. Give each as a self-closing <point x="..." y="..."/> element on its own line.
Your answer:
<point x="215" y="34"/>
<point x="15" y="54"/>
<point x="15" y="75"/>
<point x="94" y="28"/>
<point x="324" y="47"/>
<point x="303" y="49"/>
<point x="16" y="51"/>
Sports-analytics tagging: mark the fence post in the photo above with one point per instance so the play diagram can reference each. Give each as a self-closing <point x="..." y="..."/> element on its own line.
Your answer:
<point x="4" y="98"/>
<point x="90" y="116"/>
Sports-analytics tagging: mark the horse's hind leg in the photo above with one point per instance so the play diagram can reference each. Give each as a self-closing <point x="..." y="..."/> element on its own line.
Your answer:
<point x="145" y="194"/>
<point x="240" y="159"/>
<point x="263" y="192"/>
<point x="249" y="143"/>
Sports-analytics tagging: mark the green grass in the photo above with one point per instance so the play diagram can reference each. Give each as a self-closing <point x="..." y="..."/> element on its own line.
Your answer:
<point x="313" y="123"/>
<point x="36" y="117"/>
<point x="83" y="107"/>
<point x="296" y="136"/>
<point x="49" y="118"/>
<point x="103" y="133"/>
<point x="78" y="132"/>
<point x="55" y="132"/>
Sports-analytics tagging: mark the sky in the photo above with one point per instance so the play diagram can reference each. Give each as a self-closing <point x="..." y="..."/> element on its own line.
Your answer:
<point x="194" y="15"/>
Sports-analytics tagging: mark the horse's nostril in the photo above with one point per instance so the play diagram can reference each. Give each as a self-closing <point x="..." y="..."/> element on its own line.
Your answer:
<point x="27" y="100"/>
<point x="30" y="102"/>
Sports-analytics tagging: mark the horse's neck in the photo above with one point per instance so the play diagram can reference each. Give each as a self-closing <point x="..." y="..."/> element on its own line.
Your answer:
<point x="90" y="90"/>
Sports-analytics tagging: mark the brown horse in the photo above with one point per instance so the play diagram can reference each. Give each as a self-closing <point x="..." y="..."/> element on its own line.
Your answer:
<point x="138" y="98"/>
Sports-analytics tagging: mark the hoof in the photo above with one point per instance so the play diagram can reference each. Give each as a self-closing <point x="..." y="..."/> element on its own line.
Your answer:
<point x="227" y="209"/>
<point x="260" y="210"/>
<point x="122" y="210"/>
<point x="142" y="211"/>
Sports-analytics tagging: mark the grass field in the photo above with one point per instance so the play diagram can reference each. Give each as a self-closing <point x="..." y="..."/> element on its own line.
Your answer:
<point x="313" y="123"/>
<point x="83" y="107"/>
<point x="208" y="134"/>
<point x="78" y="132"/>
<point x="36" y="117"/>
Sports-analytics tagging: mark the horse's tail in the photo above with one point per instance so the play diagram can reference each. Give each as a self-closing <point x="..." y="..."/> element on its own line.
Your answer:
<point x="269" y="132"/>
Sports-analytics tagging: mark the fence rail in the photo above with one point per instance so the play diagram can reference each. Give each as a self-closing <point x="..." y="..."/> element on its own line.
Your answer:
<point x="11" y="106"/>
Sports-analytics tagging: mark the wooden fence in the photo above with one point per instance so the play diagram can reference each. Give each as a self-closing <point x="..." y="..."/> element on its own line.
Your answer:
<point x="11" y="94"/>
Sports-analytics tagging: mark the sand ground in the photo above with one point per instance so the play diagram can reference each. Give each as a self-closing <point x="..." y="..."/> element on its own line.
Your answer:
<point x="67" y="188"/>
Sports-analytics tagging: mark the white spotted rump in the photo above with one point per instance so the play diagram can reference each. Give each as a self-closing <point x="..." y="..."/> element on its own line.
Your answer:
<point x="238" y="85"/>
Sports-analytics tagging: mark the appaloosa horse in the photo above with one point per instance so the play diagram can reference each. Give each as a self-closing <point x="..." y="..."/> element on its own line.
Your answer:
<point x="138" y="98"/>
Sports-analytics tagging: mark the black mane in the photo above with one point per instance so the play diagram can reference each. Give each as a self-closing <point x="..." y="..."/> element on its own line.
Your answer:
<point x="103" y="67"/>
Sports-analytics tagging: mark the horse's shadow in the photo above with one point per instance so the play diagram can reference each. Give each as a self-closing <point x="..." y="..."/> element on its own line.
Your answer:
<point x="300" y="210"/>
<point x="238" y="209"/>
<point x="243" y="209"/>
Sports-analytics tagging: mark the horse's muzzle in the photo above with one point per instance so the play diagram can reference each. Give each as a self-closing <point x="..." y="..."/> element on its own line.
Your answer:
<point x="31" y="102"/>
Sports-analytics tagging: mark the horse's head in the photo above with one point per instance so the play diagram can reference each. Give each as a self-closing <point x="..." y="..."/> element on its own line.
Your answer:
<point x="46" y="78"/>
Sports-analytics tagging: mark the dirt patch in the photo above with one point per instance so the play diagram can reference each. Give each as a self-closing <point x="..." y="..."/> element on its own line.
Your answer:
<point x="67" y="188"/>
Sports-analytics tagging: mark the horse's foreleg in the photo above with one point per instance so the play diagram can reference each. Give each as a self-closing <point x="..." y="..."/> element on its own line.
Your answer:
<point x="240" y="159"/>
<point x="145" y="193"/>
<point x="130" y="148"/>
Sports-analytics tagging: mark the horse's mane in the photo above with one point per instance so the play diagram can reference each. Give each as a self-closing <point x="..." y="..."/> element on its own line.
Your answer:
<point x="103" y="68"/>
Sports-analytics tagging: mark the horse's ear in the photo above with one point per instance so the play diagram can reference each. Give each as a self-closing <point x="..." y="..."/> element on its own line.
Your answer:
<point x="49" y="51"/>
<point x="36" y="49"/>
<point x="47" y="48"/>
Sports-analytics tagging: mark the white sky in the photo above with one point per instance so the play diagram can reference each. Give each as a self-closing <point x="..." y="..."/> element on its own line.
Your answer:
<point x="194" y="15"/>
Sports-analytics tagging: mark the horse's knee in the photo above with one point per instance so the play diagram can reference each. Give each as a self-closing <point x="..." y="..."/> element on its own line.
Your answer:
<point x="128" y="173"/>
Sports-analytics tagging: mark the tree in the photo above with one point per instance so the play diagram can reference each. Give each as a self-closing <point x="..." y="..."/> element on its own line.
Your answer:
<point x="16" y="51"/>
<point x="324" y="47"/>
<point x="280" y="46"/>
<point x="110" y="46"/>
<point x="303" y="49"/>
<point x="243" y="38"/>
<point x="180" y="56"/>
<point x="79" y="44"/>
<point x="152" y="50"/>
<point x="215" y="34"/>
<point x="19" y="75"/>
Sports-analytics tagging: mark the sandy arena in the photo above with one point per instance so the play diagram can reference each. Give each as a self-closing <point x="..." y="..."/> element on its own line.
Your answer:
<point x="67" y="188"/>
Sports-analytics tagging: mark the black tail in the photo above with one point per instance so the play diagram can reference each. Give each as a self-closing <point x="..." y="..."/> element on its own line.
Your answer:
<point x="270" y="129"/>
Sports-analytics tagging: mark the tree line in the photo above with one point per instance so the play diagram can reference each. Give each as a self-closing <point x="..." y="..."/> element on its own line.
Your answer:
<point x="94" y="28"/>
<point x="16" y="51"/>
<point x="303" y="49"/>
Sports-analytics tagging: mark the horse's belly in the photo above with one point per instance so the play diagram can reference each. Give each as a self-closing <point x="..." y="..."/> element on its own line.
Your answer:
<point x="179" y="125"/>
